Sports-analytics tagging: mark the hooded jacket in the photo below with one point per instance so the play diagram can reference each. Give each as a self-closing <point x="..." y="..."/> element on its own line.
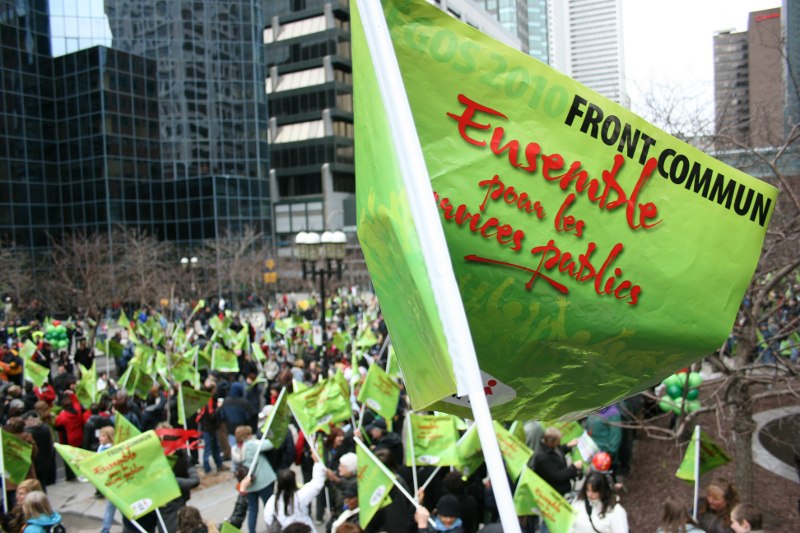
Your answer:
<point x="236" y="411"/>
<point x="40" y="523"/>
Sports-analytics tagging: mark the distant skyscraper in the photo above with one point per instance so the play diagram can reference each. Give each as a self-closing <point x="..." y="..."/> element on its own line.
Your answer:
<point x="527" y="19"/>
<point x="749" y="89"/>
<point x="140" y="113"/>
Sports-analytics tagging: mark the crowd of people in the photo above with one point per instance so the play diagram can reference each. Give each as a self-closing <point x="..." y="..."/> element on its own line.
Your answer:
<point x="289" y="485"/>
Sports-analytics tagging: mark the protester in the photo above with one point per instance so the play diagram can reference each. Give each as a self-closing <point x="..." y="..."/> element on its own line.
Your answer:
<point x="714" y="510"/>
<point x="106" y="438"/>
<point x="551" y="463"/>
<point x="69" y="424"/>
<point x="208" y="421"/>
<point x="259" y="484"/>
<point x="746" y="518"/>
<point x="597" y="508"/>
<point x="39" y="515"/>
<point x="14" y="520"/>
<point x="289" y="504"/>
<point x="675" y="518"/>
<point x="190" y="521"/>
<point x="446" y="517"/>
<point x="350" y="509"/>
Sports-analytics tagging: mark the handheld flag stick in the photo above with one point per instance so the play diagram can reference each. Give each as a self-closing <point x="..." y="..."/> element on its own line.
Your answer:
<point x="391" y="476"/>
<point x="696" y="438"/>
<point x="383" y="349"/>
<point x="361" y="416"/>
<point x="434" y="250"/>
<point x="139" y="527"/>
<point x="3" y="476"/>
<point x="310" y="441"/>
<point x="413" y="455"/>
<point x="430" y="478"/>
<point x="161" y="520"/>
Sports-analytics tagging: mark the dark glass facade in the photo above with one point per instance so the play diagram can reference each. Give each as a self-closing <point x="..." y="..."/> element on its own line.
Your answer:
<point x="166" y="130"/>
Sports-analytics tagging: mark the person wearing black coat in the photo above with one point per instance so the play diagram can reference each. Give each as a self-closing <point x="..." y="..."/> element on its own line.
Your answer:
<point x="236" y="411"/>
<point x="45" y="459"/>
<point x="550" y="462"/>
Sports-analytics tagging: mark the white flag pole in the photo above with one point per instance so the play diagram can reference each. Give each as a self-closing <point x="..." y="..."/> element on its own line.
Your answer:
<point x="434" y="249"/>
<point x="6" y="507"/>
<point x="696" y="438"/>
<point x="410" y="434"/>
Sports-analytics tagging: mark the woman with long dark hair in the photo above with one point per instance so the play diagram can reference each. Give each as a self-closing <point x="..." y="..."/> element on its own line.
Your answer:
<point x="597" y="507"/>
<point x="290" y="504"/>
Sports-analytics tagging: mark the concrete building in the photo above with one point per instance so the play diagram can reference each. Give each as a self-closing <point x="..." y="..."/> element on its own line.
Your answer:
<point x="749" y="87"/>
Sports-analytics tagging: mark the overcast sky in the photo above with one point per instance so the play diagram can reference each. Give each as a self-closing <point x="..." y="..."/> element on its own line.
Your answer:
<point x="669" y="42"/>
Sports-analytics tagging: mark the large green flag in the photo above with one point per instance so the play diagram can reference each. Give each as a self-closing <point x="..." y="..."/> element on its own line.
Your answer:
<point x="379" y="392"/>
<point x="515" y="453"/>
<point x="86" y="387"/>
<point x="374" y="484"/>
<point x="712" y="455"/>
<point x="470" y="452"/>
<point x="580" y="235"/>
<point x="17" y="456"/>
<point x="434" y="440"/>
<point x="319" y="406"/>
<point x="110" y="347"/>
<point x="124" y="429"/>
<point x="27" y="350"/>
<point x="134" y="475"/>
<point x="534" y="496"/>
<point x="224" y="360"/>
<point x="72" y="456"/>
<point x="36" y="373"/>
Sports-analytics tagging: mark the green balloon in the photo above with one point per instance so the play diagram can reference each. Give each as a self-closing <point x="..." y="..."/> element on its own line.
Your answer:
<point x="672" y="380"/>
<point x="682" y="378"/>
<point x="677" y="406"/>
<point x="675" y="391"/>
<point x="665" y="405"/>
<point x="692" y="394"/>
<point x="693" y="406"/>
<point x="695" y="380"/>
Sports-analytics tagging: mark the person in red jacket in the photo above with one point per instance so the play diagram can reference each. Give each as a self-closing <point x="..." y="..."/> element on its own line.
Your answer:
<point x="69" y="424"/>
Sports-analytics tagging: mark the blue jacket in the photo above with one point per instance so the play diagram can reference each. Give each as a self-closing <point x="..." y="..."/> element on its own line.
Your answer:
<point x="41" y="522"/>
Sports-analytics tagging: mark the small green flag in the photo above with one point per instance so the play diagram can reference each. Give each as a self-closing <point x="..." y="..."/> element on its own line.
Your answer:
<point x="470" y="452"/>
<point x="569" y="430"/>
<point x="379" y="392"/>
<point x="374" y="484"/>
<point x="86" y="387"/>
<point x="534" y="496"/>
<point x="712" y="455"/>
<point x="319" y="406"/>
<point x="109" y="347"/>
<point x="142" y="385"/>
<point x="367" y="339"/>
<point x="435" y="440"/>
<point x="124" y="429"/>
<point x="278" y="420"/>
<point x="183" y="370"/>
<point x="194" y="400"/>
<point x="134" y="475"/>
<point x="258" y="353"/>
<point x="123" y="320"/>
<point x="392" y="366"/>
<point x="515" y="453"/>
<point x="27" y="350"/>
<point x="228" y="528"/>
<point x="339" y="378"/>
<point x="16" y="457"/>
<point x="341" y="339"/>
<point x="36" y="373"/>
<point x="224" y="360"/>
<point x="200" y="304"/>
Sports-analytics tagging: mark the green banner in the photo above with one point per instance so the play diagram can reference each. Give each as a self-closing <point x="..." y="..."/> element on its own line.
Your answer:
<point x="515" y="453"/>
<point x="470" y="452"/>
<point x="374" y="485"/>
<point x="134" y="475"/>
<point x="712" y="455"/>
<point x="73" y="456"/>
<point x="123" y="429"/>
<point x="379" y="392"/>
<point x="35" y="373"/>
<point x="319" y="406"/>
<point x="17" y="457"/>
<point x="580" y="235"/>
<point x="534" y="496"/>
<point x="86" y="387"/>
<point x="435" y="441"/>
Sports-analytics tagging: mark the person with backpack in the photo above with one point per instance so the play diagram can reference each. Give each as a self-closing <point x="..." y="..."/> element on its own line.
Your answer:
<point x="39" y="514"/>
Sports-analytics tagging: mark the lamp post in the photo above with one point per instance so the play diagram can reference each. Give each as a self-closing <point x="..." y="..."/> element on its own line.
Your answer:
<point x="330" y="247"/>
<point x="190" y="264"/>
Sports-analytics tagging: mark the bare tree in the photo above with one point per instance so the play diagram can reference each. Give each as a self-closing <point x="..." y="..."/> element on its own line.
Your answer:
<point x="16" y="280"/>
<point x="145" y="267"/>
<point x="235" y="261"/>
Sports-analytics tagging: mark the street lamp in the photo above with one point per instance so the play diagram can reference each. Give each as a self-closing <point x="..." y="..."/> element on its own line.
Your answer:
<point x="330" y="247"/>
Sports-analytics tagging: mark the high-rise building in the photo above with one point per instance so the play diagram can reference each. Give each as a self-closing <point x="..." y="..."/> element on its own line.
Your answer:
<point x="791" y="72"/>
<point x="749" y="89"/>
<point x="586" y="43"/>
<point x="527" y="19"/>
<point x="139" y="113"/>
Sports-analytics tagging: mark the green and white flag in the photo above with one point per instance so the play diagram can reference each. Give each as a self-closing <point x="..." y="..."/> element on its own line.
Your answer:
<point x="580" y="235"/>
<point x="317" y="407"/>
<point x="36" y="373"/>
<point x="278" y="420"/>
<point x="27" y="350"/>
<point x="17" y="456"/>
<point x="73" y="456"/>
<point x="534" y="496"/>
<point x="435" y="441"/>
<point x="194" y="400"/>
<point x="124" y="429"/>
<point x="86" y="387"/>
<point x="515" y="453"/>
<point x="374" y="484"/>
<point x="224" y="360"/>
<point x="470" y="452"/>
<point x="379" y="392"/>
<point x="712" y="455"/>
<point x="134" y="475"/>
